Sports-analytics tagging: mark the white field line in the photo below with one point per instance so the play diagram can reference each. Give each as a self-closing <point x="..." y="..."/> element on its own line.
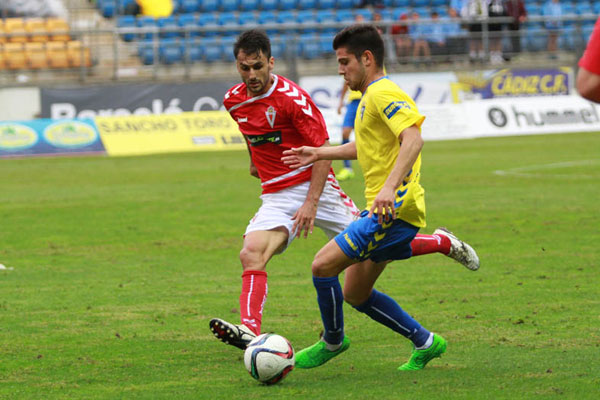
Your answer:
<point x="529" y="171"/>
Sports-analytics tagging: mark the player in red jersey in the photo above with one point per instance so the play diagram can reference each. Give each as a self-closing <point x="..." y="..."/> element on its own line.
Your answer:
<point x="588" y="77"/>
<point x="274" y="115"/>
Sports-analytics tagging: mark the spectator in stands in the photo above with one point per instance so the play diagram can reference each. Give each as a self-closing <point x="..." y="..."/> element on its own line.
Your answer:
<point x="516" y="10"/>
<point x="588" y="76"/>
<point x="453" y="32"/>
<point x="436" y="37"/>
<point x="402" y="40"/>
<point x="553" y="13"/>
<point x="419" y="34"/>
<point x="474" y="12"/>
<point x="150" y="8"/>
<point x="495" y="10"/>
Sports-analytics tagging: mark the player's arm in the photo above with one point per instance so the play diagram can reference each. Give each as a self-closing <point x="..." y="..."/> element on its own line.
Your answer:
<point x="253" y="169"/>
<point x="588" y="85"/>
<point x="304" y="218"/>
<point x="411" y="143"/>
<point x="301" y="156"/>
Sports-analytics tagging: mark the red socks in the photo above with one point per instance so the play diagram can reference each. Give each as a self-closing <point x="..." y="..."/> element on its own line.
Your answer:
<point x="427" y="244"/>
<point x="252" y="299"/>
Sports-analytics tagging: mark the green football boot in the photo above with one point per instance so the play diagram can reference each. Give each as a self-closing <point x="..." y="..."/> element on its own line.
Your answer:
<point x="420" y="358"/>
<point x="317" y="354"/>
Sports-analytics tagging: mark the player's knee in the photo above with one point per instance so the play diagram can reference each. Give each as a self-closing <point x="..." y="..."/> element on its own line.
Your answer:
<point x="251" y="260"/>
<point x="353" y="297"/>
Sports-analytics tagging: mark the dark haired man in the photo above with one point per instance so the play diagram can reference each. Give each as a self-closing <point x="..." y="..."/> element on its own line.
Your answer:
<point x="388" y="147"/>
<point x="274" y="114"/>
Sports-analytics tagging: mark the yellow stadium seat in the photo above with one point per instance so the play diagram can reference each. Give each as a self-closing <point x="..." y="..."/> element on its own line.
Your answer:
<point x="56" y="53"/>
<point x="78" y="54"/>
<point x="3" y="38"/>
<point x="15" y="29"/>
<point x="35" y="53"/>
<point x="58" y="29"/>
<point x="2" y="64"/>
<point x="14" y="56"/>
<point x="36" y="29"/>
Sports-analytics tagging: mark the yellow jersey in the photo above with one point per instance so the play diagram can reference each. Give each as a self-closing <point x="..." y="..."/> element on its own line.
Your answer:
<point x="354" y="95"/>
<point x="384" y="112"/>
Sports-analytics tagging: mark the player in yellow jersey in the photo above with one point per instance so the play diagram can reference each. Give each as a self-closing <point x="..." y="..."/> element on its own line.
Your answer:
<point x="388" y="147"/>
<point x="348" y="125"/>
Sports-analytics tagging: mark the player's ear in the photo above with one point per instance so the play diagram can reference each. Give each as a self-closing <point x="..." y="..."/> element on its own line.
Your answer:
<point x="271" y="62"/>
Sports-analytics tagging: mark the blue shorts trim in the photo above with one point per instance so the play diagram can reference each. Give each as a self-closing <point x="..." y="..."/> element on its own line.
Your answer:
<point x="365" y="239"/>
<point x="350" y="114"/>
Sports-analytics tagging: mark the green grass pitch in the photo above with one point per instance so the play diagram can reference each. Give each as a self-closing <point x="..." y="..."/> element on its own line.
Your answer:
<point x="119" y="264"/>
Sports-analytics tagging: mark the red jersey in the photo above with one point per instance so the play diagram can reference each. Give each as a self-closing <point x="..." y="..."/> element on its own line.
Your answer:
<point x="282" y="118"/>
<point x="591" y="58"/>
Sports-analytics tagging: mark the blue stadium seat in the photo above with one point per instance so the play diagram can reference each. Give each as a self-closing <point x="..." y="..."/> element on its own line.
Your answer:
<point x="229" y="20"/>
<point x="211" y="49"/>
<point x="189" y="6"/>
<point x="326" y="44"/>
<point x="288" y="4"/>
<point x="596" y="7"/>
<point x="586" y="32"/>
<point x="401" y="3"/>
<point x="419" y="3"/>
<point x="249" y="5"/>
<point x="583" y="8"/>
<point x="246" y="18"/>
<point x="207" y="21"/>
<point x="227" y="47"/>
<point x="146" y="22"/>
<point x="325" y="4"/>
<point x="307" y="4"/>
<point x="268" y="17"/>
<point x="170" y="51"/>
<point x="306" y="17"/>
<point x="146" y="51"/>
<point x="533" y="9"/>
<point x="108" y="8"/>
<point x="229" y="5"/>
<point x="285" y="18"/>
<point x="209" y="5"/>
<point x="127" y="21"/>
<point x="277" y="47"/>
<point x="327" y="16"/>
<point x="268" y="5"/>
<point x="166" y="24"/>
<point x="345" y="4"/>
<point x="345" y="16"/>
<point x="192" y="50"/>
<point x="440" y="3"/>
<point x="309" y="46"/>
<point x="188" y="22"/>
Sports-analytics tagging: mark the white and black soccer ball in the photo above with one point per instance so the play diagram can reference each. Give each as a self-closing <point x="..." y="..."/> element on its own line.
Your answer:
<point x="269" y="358"/>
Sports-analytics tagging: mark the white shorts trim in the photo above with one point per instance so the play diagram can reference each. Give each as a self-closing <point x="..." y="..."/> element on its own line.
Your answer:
<point x="335" y="210"/>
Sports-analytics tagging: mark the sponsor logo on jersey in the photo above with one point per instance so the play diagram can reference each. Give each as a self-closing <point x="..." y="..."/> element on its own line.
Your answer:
<point x="271" y="137"/>
<point x="240" y="120"/>
<point x="393" y="108"/>
<point x="270" y="113"/>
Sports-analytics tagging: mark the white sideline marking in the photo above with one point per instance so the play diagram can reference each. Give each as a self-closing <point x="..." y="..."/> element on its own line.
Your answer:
<point x="527" y="170"/>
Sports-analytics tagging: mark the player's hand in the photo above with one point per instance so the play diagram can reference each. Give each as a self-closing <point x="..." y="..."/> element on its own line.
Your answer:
<point x="300" y="156"/>
<point x="304" y="219"/>
<point x="339" y="110"/>
<point x="383" y="205"/>
<point x="253" y="170"/>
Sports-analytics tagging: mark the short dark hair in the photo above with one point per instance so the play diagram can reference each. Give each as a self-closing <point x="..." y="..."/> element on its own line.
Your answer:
<point x="361" y="37"/>
<point x="253" y="41"/>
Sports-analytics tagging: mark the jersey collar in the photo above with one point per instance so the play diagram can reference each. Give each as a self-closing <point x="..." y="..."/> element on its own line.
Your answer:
<point x="262" y="96"/>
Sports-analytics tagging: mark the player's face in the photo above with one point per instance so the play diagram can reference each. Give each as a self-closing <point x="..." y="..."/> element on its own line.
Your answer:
<point x="351" y="68"/>
<point x="255" y="70"/>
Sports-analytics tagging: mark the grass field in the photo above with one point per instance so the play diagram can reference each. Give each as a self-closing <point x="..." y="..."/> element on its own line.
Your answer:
<point x="119" y="264"/>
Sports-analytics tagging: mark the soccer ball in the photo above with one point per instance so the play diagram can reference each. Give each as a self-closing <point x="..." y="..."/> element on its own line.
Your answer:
<point x="269" y="358"/>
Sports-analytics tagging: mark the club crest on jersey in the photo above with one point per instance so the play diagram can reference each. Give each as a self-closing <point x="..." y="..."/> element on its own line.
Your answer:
<point x="270" y="113"/>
